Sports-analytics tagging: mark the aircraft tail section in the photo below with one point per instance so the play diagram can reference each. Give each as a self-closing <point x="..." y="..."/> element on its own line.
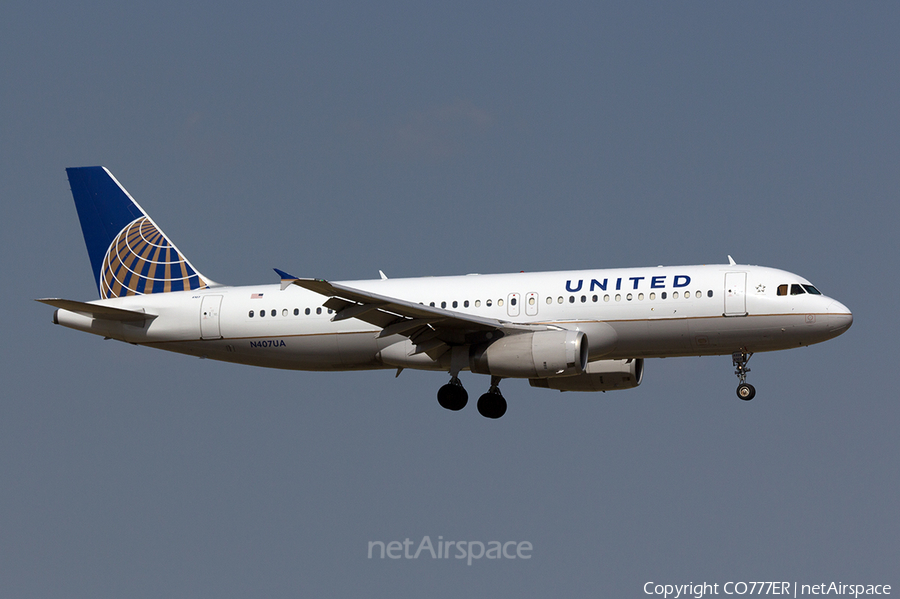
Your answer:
<point x="129" y="254"/>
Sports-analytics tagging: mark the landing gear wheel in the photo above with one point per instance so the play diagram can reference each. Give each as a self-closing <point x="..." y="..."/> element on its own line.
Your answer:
<point x="453" y="396"/>
<point x="746" y="391"/>
<point x="491" y="405"/>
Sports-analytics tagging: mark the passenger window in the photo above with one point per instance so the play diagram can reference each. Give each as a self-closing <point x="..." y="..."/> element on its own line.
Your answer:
<point x="663" y="295"/>
<point x="594" y="299"/>
<point x="641" y="296"/>
<point x="443" y="304"/>
<point x="652" y="296"/>
<point x="262" y="313"/>
<point x="709" y="293"/>
<point x="699" y="294"/>
<point x="273" y="312"/>
<point x="606" y="298"/>
<point x="531" y="301"/>
<point x="477" y="303"/>
<point x="318" y="310"/>
<point x="560" y="300"/>
<point x="628" y="297"/>
<point x="512" y="301"/>
<point x="466" y="304"/>
<point x="549" y="300"/>
<point x="797" y="289"/>
<point x="499" y="302"/>
<point x="571" y="299"/>
<point x="488" y="303"/>
<point x="782" y="290"/>
<point x="307" y="311"/>
<point x="251" y="313"/>
<point x="284" y="312"/>
<point x="583" y="298"/>
<point x="455" y="303"/>
<point x="296" y="311"/>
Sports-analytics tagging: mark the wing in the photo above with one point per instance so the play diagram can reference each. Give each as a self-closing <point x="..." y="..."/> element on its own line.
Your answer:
<point x="432" y="330"/>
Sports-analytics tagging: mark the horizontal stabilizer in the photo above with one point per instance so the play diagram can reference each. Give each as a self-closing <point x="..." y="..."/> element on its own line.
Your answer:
<point x="98" y="311"/>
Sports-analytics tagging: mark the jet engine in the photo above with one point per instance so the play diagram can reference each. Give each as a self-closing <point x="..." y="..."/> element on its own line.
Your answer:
<point x="532" y="355"/>
<point x="602" y="375"/>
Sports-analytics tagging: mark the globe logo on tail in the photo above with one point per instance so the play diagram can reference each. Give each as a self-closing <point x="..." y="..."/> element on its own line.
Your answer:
<point x="141" y="260"/>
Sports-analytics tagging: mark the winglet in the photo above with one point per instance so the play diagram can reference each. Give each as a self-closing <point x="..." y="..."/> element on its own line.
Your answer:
<point x="283" y="274"/>
<point x="286" y="279"/>
<point x="731" y="261"/>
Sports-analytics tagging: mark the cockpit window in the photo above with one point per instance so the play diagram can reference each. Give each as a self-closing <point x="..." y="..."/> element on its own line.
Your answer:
<point x="798" y="289"/>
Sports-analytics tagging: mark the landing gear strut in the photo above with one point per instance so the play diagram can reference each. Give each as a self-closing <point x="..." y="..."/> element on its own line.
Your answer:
<point x="745" y="390"/>
<point x="453" y="396"/>
<point x="492" y="404"/>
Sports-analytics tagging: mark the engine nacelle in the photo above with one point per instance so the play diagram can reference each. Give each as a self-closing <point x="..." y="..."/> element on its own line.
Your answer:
<point x="532" y="355"/>
<point x="602" y="375"/>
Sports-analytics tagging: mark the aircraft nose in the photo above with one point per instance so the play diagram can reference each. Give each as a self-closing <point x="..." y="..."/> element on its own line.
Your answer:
<point x="839" y="317"/>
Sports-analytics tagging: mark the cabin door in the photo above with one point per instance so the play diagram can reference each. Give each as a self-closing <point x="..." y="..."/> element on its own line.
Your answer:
<point x="735" y="294"/>
<point x="209" y="317"/>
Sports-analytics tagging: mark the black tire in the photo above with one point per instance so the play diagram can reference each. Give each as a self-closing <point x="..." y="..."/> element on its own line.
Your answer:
<point x="492" y="405"/>
<point x="746" y="391"/>
<point x="452" y="397"/>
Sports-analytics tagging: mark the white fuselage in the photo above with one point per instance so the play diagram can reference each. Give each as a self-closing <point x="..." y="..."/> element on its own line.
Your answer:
<point x="625" y="313"/>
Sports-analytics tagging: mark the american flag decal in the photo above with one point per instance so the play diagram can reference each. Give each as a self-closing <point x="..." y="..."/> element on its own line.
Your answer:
<point x="256" y="296"/>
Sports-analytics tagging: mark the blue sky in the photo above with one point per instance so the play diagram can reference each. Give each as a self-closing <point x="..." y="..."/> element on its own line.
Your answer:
<point x="333" y="141"/>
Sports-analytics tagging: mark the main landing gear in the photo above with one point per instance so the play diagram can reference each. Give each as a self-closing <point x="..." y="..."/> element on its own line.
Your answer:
<point x="745" y="390"/>
<point x="453" y="396"/>
<point x="492" y="404"/>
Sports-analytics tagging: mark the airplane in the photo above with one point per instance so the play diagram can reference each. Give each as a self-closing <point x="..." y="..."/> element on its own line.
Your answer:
<point x="584" y="330"/>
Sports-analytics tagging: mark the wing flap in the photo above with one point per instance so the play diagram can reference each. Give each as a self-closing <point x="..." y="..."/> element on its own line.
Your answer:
<point x="405" y="326"/>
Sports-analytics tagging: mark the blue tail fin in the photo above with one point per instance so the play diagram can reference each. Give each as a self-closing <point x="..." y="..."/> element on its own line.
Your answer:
<point x="130" y="255"/>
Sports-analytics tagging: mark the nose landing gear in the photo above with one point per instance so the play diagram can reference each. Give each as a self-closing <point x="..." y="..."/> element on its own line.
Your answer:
<point x="745" y="390"/>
